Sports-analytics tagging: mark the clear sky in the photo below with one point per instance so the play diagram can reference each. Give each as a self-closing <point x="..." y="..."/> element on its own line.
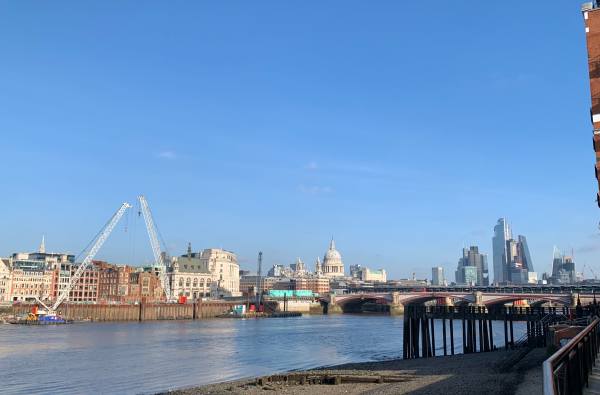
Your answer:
<point x="404" y="129"/>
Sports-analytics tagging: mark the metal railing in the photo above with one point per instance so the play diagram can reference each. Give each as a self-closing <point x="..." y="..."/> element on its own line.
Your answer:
<point x="567" y="371"/>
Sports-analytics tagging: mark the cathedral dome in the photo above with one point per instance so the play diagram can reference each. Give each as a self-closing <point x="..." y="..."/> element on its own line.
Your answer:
<point x="332" y="255"/>
<point x="332" y="262"/>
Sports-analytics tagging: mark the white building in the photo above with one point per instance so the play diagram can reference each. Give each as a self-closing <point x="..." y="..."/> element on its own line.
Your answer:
<point x="190" y="276"/>
<point x="211" y="273"/>
<point x="5" y="280"/>
<point x="225" y="269"/>
<point x="437" y="276"/>
<point x="366" y="274"/>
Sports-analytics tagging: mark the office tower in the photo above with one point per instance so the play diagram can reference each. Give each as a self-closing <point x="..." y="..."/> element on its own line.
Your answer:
<point x="437" y="276"/>
<point x="502" y="235"/>
<point x="472" y="268"/>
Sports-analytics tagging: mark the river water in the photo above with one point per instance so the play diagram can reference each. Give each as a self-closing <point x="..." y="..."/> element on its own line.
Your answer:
<point x="133" y="358"/>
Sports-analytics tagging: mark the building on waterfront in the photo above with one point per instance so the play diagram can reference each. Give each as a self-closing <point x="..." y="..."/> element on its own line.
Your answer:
<point x="30" y="281"/>
<point x="472" y="268"/>
<point x="86" y="289"/>
<point x="33" y="274"/>
<point x="191" y="276"/>
<point x="318" y="285"/>
<point x="108" y="282"/>
<point x="332" y="262"/>
<point x="437" y="276"/>
<point x="248" y="284"/>
<point x="212" y="273"/>
<point x="145" y="287"/>
<point x="224" y="267"/>
<point x="5" y="280"/>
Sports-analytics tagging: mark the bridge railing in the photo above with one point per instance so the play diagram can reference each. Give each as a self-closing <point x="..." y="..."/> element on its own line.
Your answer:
<point x="567" y="371"/>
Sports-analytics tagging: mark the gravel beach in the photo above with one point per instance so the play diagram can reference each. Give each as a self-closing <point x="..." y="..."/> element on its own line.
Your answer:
<point x="459" y="374"/>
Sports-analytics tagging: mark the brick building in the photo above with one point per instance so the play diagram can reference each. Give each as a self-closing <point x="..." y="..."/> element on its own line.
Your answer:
<point x="591" y="17"/>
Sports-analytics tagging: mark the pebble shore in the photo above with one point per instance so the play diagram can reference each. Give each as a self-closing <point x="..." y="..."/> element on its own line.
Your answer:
<point x="459" y="374"/>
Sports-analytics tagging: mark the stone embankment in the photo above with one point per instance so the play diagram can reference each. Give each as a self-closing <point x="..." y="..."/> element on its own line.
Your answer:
<point x="459" y="374"/>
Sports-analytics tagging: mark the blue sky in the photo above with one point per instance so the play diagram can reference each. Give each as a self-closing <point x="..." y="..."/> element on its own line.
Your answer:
<point x="403" y="130"/>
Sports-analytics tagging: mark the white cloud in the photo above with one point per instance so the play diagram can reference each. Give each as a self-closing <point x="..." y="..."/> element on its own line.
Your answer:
<point x="167" y="155"/>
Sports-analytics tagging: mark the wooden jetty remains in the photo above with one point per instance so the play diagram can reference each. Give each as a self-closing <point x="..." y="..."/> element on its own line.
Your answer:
<point x="477" y="327"/>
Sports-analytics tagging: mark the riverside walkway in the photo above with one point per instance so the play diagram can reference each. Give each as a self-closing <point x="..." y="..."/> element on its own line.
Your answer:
<point x="594" y="380"/>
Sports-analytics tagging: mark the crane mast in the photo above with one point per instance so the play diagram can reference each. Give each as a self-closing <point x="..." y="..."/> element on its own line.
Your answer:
<point x="158" y="256"/>
<point x="90" y="256"/>
<point x="258" y="281"/>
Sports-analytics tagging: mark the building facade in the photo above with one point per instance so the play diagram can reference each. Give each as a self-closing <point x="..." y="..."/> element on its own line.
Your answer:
<point x="190" y="276"/>
<point x="366" y="274"/>
<point x="437" y="276"/>
<point x="5" y="280"/>
<point x="224" y="267"/>
<point x="591" y="18"/>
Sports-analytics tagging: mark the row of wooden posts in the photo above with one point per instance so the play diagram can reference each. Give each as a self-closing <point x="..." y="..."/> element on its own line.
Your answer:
<point x="477" y="328"/>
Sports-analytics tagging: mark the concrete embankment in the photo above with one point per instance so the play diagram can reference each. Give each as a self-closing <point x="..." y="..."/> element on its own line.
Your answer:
<point x="139" y="312"/>
<point x="459" y="374"/>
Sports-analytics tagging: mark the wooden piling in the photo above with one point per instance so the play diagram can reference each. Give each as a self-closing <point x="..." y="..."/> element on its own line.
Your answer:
<point x="451" y="336"/>
<point x="444" y="335"/>
<point x="433" y="337"/>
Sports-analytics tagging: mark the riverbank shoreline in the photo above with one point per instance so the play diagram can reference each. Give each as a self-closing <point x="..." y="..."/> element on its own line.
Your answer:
<point x="458" y="374"/>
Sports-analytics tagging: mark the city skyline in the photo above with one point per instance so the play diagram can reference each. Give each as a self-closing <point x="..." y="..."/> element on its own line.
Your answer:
<point x="247" y="130"/>
<point x="250" y="266"/>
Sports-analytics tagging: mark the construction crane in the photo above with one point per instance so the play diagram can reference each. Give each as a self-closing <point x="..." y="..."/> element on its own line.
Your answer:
<point x="158" y="256"/>
<point x="258" y="281"/>
<point x="87" y="261"/>
<point x="590" y="269"/>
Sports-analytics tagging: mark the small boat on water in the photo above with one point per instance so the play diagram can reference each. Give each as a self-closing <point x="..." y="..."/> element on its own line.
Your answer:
<point x="40" y="317"/>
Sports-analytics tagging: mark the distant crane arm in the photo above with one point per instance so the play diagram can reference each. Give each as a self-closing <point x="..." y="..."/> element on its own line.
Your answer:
<point x="90" y="256"/>
<point x="154" y="243"/>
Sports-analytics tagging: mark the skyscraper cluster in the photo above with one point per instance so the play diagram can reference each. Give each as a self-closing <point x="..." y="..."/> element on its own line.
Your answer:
<point x="512" y="260"/>
<point x="472" y="268"/>
<point x="563" y="268"/>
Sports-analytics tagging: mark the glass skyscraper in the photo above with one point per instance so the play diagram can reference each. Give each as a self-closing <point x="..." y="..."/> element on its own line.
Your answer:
<point x="502" y="235"/>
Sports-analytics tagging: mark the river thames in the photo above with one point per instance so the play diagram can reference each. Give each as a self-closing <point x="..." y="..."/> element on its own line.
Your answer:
<point x="148" y="357"/>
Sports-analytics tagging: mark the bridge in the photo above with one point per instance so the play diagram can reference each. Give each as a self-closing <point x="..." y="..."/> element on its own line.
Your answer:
<point x="395" y="301"/>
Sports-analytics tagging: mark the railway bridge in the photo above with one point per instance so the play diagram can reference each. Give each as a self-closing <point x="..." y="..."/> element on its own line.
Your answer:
<point x="394" y="302"/>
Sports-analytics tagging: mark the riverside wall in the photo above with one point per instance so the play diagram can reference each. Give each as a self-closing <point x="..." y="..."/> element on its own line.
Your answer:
<point x="139" y="312"/>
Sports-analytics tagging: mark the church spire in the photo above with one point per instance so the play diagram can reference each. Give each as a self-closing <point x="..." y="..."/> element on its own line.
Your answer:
<point x="189" y="250"/>
<point x="332" y="244"/>
<point x="42" y="249"/>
